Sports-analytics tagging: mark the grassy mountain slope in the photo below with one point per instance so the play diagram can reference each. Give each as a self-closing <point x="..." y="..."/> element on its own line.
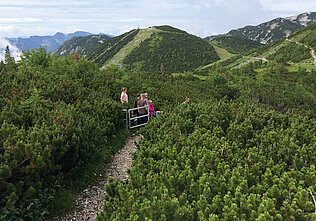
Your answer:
<point x="109" y="48"/>
<point x="147" y="49"/>
<point x="142" y="35"/>
<point x="222" y="53"/>
<point x="83" y="45"/>
<point x="235" y="45"/>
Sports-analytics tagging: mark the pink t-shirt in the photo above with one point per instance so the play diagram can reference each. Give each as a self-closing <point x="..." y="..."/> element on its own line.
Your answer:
<point x="124" y="97"/>
<point x="151" y="109"/>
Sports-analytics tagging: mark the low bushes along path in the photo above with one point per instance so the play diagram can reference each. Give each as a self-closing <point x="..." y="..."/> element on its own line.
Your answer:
<point x="90" y="201"/>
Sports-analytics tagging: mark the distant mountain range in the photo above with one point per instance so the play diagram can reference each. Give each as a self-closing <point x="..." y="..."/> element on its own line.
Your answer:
<point x="272" y="30"/>
<point x="50" y="42"/>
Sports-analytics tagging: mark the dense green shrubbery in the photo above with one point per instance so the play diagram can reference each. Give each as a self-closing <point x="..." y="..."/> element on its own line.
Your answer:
<point x="235" y="45"/>
<point x="306" y="35"/>
<point x="177" y="52"/>
<point x="230" y="60"/>
<point x="55" y="114"/>
<point x="219" y="161"/>
<point x="277" y="87"/>
<point x="264" y="48"/>
<point x="168" y="91"/>
<point x="203" y="161"/>
<point x="291" y="52"/>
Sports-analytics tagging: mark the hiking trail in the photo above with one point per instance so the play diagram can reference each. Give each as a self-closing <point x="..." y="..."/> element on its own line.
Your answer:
<point x="89" y="202"/>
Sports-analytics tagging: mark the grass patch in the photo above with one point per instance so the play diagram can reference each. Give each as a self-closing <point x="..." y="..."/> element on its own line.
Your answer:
<point x="296" y="67"/>
<point x="89" y="173"/>
<point x="222" y="53"/>
<point x="127" y="49"/>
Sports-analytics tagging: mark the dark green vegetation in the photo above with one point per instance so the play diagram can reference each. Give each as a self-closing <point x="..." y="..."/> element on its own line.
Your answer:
<point x="244" y="149"/>
<point x="307" y="36"/>
<point x="56" y="114"/>
<point x="291" y="52"/>
<point x="275" y="29"/>
<point x="177" y="52"/>
<point x="219" y="161"/>
<point x="82" y="45"/>
<point x="235" y="45"/>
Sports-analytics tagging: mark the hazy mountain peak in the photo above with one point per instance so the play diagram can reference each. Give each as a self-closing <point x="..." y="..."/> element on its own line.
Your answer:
<point x="50" y="42"/>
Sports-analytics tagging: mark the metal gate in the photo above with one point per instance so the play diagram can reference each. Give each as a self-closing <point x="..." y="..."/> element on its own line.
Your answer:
<point x="132" y="121"/>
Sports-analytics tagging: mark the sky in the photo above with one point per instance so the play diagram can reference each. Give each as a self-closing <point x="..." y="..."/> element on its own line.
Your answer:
<point x="23" y="18"/>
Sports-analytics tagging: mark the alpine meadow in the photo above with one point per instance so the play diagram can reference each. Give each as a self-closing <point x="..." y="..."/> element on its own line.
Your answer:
<point x="242" y="147"/>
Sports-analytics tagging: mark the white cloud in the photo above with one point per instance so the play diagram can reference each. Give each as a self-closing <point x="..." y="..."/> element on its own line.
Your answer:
<point x="19" y="20"/>
<point x="200" y="17"/>
<point x="289" y="5"/>
<point x="14" y="51"/>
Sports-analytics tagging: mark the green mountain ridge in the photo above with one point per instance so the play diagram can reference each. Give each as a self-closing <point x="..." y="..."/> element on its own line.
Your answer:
<point x="148" y="49"/>
<point x="82" y="44"/>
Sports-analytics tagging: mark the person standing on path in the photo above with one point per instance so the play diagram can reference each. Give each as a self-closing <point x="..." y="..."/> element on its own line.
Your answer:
<point x="135" y="105"/>
<point x="143" y="111"/>
<point x="124" y="96"/>
<point x="146" y="98"/>
<point x="151" y="109"/>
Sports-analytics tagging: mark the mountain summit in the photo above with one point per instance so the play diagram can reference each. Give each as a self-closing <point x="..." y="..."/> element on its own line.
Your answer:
<point x="274" y="29"/>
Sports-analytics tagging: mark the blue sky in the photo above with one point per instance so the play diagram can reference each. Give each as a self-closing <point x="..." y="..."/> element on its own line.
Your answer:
<point x="199" y="17"/>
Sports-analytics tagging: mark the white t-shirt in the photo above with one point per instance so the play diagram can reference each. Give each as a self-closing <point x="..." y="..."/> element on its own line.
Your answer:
<point x="124" y="97"/>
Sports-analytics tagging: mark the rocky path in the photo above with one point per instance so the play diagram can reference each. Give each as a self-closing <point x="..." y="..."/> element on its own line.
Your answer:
<point x="90" y="201"/>
<point x="314" y="56"/>
<point x="311" y="49"/>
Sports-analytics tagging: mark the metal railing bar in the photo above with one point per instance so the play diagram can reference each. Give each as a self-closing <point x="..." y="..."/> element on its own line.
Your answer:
<point x="139" y="125"/>
<point x="133" y="118"/>
<point x="137" y="108"/>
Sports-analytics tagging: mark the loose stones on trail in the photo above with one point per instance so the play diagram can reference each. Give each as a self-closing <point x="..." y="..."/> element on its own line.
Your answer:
<point x="90" y="201"/>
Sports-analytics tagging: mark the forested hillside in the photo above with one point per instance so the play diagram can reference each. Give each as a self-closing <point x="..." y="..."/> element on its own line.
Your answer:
<point x="175" y="50"/>
<point x="235" y="45"/>
<point x="82" y="45"/>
